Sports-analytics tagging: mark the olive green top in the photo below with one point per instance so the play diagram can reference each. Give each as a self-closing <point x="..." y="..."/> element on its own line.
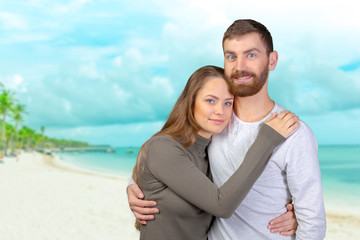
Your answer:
<point x="179" y="180"/>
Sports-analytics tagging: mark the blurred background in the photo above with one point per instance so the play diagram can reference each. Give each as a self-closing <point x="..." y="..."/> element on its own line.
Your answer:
<point x="109" y="72"/>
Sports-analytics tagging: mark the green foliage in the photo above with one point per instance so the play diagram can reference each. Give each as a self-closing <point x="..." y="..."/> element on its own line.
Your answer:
<point x="15" y="135"/>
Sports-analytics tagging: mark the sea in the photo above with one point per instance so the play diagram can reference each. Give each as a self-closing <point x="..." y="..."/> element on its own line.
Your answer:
<point x="339" y="165"/>
<point x="119" y="163"/>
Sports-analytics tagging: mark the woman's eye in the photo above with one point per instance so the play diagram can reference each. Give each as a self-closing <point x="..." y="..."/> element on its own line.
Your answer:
<point x="210" y="100"/>
<point x="228" y="103"/>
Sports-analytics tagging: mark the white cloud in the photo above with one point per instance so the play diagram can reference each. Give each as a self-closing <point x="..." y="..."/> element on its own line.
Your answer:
<point x="24" y="37"/>
<point x="162" y="85"/>
<point x="117" y="62"/>
<point x="337" y="127"/>
<point x="35" y="3"/>
<point x="67" y="106"/>
<point x="14" y="82"/>
<point x="12" y="21"/>
<point x="134" y="56"/>
<point x="134" y="134"/>
<point x="89" y="71"/>
<point x="71" y="7"/>
<point x="87" y="54"/>
<point x="121" y="95"/>
<point x="17" y="80"/>
<point x="171" y="29"/>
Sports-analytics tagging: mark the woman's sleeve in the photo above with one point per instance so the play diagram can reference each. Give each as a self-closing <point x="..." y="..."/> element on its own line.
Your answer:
<point x="168" y="162"/>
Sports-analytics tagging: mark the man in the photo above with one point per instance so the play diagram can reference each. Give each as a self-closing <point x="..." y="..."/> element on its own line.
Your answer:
<point x="292" y="173"/>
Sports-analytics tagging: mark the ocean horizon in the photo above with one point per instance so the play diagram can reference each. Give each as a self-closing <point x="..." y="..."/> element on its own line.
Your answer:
<point x="339" y="164"/>
<point x="119" y="163"/>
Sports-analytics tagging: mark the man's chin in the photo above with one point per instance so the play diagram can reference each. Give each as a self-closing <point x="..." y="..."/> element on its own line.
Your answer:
<point x="244" y="90"/>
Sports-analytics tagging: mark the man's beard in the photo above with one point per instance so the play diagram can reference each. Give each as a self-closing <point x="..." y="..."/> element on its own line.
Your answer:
<point x="245" y="89"/>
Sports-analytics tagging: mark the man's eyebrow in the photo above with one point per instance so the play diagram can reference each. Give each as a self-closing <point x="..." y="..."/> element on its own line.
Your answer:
<point x="246" y="51"/>
<point x="252" y="49"/>
<point x="229" y="52"/>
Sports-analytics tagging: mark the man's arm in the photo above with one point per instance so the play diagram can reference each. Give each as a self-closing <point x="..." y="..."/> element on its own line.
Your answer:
<point x="141" y="209"/>
<point x="285" y="224"/>
<point x="304" y="181"/>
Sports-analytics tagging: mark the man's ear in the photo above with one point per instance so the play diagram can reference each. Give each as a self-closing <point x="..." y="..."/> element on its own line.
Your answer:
<point x="273" y="58"/>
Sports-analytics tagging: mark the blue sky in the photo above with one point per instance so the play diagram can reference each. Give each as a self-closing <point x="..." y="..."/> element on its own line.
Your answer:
<point x="109" y="71"/>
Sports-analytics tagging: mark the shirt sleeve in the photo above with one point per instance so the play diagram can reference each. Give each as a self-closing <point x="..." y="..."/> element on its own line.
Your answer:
<point x="168" y="162"/>
<point x="304" y="181"/>
<point x="131" y="181"/>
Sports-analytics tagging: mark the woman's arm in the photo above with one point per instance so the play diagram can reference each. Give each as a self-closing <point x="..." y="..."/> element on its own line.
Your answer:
<point x="141" y="212"/>
<point x="174" y="169"/>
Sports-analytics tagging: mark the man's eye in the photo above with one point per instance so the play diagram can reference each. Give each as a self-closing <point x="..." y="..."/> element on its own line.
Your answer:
<point x="251" y="55"/>
<point x="231" y="57"/>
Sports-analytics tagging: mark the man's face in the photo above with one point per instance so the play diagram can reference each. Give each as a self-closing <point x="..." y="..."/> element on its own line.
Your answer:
<point x="246" y="64"/>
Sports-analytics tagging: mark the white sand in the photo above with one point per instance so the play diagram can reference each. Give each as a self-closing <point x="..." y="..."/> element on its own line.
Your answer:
<point x="41" y="198"/>
<point x="44" y="198"/>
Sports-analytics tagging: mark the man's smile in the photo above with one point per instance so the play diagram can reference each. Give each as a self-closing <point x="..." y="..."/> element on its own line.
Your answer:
<point x="243" y="78"/>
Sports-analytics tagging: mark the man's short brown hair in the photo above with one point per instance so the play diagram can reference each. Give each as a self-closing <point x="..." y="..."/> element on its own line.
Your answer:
<point x="244" y="26"/>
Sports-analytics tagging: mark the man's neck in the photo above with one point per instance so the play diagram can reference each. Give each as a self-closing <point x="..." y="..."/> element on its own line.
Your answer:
<point x="253" y="108"/>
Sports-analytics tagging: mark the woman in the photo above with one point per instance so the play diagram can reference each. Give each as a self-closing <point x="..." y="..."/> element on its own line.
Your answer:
<point x="172" y="165"/>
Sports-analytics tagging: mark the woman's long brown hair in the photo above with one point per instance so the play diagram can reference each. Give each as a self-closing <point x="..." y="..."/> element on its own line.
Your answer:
<point x="181" y="124"/>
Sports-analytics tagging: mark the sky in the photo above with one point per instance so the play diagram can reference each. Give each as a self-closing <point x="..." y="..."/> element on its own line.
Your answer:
<point x="110" y="71"/>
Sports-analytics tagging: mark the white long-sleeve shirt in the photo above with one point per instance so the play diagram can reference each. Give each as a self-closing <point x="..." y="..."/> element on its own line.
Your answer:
<point x="292" y="174"/>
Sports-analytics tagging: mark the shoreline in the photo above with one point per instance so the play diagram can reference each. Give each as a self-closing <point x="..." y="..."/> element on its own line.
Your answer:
<point x="46" y="198"/>
<point x="81" y="164"/>
<point x="55" y="161"/>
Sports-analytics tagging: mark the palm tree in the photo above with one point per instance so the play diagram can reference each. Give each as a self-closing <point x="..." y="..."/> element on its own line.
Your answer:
<point x="17" y="112"/>
<point x="42" y="139"/>
<point x="9" y="134"/>
<point x="42" y="130"/>
<point x="22" y="135"/>
<point x="27" y="136"/>
<point x="6" y="104"/>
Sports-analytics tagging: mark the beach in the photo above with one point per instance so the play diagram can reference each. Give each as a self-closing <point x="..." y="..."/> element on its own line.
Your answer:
<point x="45" y="198"/>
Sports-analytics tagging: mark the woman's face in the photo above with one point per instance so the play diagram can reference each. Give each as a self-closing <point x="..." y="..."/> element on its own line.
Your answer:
<point x="213" y="106"/>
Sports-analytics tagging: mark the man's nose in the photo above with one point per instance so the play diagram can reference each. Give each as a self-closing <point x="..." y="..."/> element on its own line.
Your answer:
<point x="240" y="64"/>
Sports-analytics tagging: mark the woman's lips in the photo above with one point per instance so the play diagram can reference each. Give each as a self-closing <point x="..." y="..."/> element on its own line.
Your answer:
<point x="217" y="121"/>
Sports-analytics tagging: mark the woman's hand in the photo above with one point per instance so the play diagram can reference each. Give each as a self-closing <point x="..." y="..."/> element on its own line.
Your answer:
<point x="284" y="123"/>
